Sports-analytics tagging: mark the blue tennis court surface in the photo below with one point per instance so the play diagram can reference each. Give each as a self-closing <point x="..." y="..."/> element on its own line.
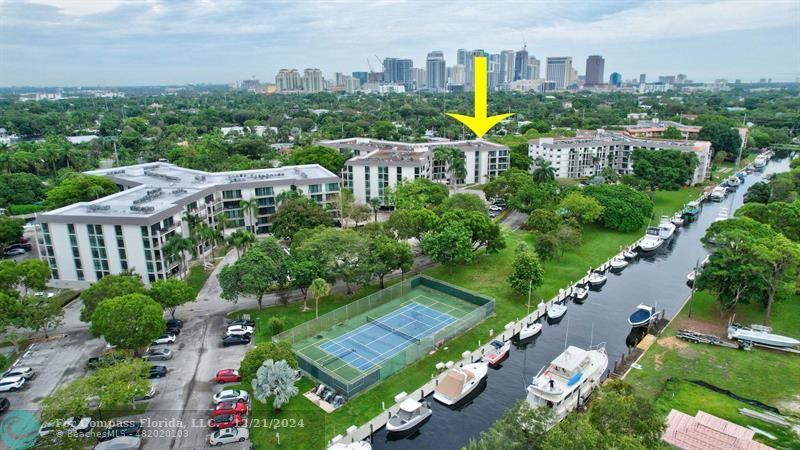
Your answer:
<point x="370" y="344"/>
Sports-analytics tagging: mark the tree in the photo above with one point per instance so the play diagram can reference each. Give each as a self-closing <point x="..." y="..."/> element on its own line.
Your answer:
<point x="302" y="269"/>
<point x="483" y="231"/>
<point x="543" y="171"/>
<point x="253" y="359"/>
<point x="359" y="213"/>
<point x="465" y="201"/>
<point x="411" y="223"/>
<point x="782" y="217"/>
<point x="109" y="286"/>
<point x="507" y="184"/>
<point x="319" y="288"/>
<point x="252" y="274"/>
<point x="275" y="325"/>
<point x="449" y="245"/>
<point x="10" y="230"/>
<point x="624" y="209"/>
<point x="33" y="275"/>
<point x="663" y="169"/>
<point x="584" y="209"/>
<point x="543" y="221"/>
<point x="722" y="136"/>
<point x="20" y="188"/>
<point x="568" y="236"/>
<point x="454" y="160"/>
<point x="388" y="255"/>
<point x="760" y="192"/>
<point x="130" y="321"/>
<point x="328" y="158"/>
<point x="171" y="293"/>
<point x="71" y="400"/>
<point x="623" y="417"/>
<point x="343" y="254"/>
<point x="79" y="188"/>
<point x="40" y="313"/>
<point x="534" y="196"/>
<point x="296" y="214"/>
<point x="12" y="309"/>
<point x="275" y="379"/>
<point x="375" y="205"/>
<point x="250" y="209"/>
<point x="548" y="246"/>
<point x="522" y="427"/>
<point x="240" y="240"/>
<point x="527" y="271"/>
<point x="118" y="385"/>
<point x="419" y="193"/>
<point x="672" y="133"/>
<point x="177" y="247"/>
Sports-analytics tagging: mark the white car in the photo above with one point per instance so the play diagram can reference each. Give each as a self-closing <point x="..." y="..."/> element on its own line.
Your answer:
<point x="239" y="330"/>
<point x="164" y="339"/>
<point x="150" y="394"/>
<point x="228" y="435"/>
<point x="11" y="384"/>
<point x="78" y="424"/>
<point x="231" y="395"/>
<point x="24" y="372"/>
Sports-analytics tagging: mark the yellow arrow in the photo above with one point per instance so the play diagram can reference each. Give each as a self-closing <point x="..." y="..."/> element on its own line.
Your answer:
<point x="479" y="123"/>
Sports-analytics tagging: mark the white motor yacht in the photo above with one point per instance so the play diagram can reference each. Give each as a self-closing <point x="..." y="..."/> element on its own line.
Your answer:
<point x="410" y="414"/>
<point x="618" y="263"/>
<point x="678" y="220"/>
<point x="760" y="334"/>
<point x="579" y="294"/>
<point x="643" y="315"/>
<point x="597" y="279"/>
<point x="666" y="229"/>
<point x="718" y="194"/>
<point x="458" y="382"/>
<point x="651" y="240"/>
<point x="568" y="381"/>
<point x="629" y="253"/>
<point x="556" y="311"/>
<point x="530" y="330"/>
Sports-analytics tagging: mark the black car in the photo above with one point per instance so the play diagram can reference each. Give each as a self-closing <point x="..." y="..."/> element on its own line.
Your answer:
<point x="175" y="323"/>
<point x="123" y="428"/>
<point x="158" y="371"/>
<point x="243" y="322"/>
<point x="4" y="404"/>
<point x="173" y="330"/>
<point x="235" y="340"/>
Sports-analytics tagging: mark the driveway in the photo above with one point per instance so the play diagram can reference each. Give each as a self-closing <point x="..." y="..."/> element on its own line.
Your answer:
<point x="515" y="220"/>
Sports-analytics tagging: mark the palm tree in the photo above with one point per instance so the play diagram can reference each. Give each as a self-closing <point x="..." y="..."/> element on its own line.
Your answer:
<point x="454" y="158"/>
<point x="250" y="208"/>
<point x="544" y="171"/>
<point x="192" y="220"/>
<point x="176" y="247"/>
<point x="223" y="222"/>
<point x="205" y="234"/>
<point x="375" y="204"/>
<point x="319" y="288"/>
<point x="241" y="240"/>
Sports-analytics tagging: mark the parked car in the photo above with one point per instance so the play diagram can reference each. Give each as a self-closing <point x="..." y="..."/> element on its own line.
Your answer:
<point x="78" y="424"/>
<point x="174" y="323"/>
<point x="245" y="322"/>
<point x="4" y="404"/>
<point x="173" y="330"/>
<point x="225" y="421"/>
<point x="124" y="428"/>
<point x="23" y="245"/>
<point x="223" y="408"/>
<point x="42" y="294"/>
<point x="157" y="354"/>
<point x="235" y="340"/>
<point x="121" y="443"/>
<point x="493" y="214"/>
<point x="109" y="359"/>
<point x="164" y="339"/>
<point x="227" y="376"/>
<point x="231" y="395"/>
<point x="24" y="372"/>
<point x="11" y="384"/>
<point x="239" y="330"/>
<point x="13" y="252"/>
<point x="158" y="371"/>
<point x="150" y="394"/>
<point x="228" y="435"/>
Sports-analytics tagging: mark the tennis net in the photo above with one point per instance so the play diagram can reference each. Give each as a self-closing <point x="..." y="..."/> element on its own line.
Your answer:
<point x="392" y="329"/>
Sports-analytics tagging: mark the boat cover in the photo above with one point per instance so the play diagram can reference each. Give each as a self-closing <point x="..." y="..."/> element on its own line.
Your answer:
<point x="452" y="385"/>
<point x="640" y="316"/>
<point x="575" y="378"/>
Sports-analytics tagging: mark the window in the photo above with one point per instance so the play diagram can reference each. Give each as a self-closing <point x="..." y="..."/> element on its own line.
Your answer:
<point x="229" y="195"/>
<point x="383" y="180"/>
<point x="265" y="201"/>
<point x="332" y="187"/>
<point x="264" y="191"/>
<point x="366" y="183"/>
<point x="98" y="248"/>
<point x="348" y="180"/>
<point x="399" y="174"/>
<point x="51" y="261"/>
<point x="416" y="172"/>
<point x="315" y="188"/>
<point x="123" y="256"/>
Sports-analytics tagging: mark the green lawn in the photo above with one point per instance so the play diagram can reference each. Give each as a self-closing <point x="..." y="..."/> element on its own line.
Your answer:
<point x="197" y="277"/>
<point x="669" y="202"/>
<point x="486" y="274"/>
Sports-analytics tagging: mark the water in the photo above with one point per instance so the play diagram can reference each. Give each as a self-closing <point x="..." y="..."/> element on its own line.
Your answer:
<point x="659" y="279"/>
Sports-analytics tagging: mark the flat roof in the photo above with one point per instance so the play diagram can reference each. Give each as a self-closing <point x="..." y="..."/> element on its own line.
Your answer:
<point x="157" y="190"/>
<point x="608" y="138"/>
<point x="403" y="153"/>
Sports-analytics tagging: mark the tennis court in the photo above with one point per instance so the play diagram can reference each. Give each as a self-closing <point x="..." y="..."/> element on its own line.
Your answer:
<point x="363" y="342"/>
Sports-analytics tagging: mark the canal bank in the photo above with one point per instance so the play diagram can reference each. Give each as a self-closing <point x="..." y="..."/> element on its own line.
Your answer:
<point x="658" y="278"/>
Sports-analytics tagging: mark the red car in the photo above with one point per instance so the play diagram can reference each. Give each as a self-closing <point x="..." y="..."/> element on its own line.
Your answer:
<point x="237" y="408"/>
<point x="225" y="421"/>
<point x="227" y="376"/>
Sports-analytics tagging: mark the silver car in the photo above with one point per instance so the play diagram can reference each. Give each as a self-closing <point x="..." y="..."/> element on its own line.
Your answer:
<point x="158" y="354"/>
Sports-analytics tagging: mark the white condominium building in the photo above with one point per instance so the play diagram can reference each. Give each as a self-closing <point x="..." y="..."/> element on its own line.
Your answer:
<point x="125" y="231"/>
<point x="586" y="156"/>
<point x="377" y="164"/>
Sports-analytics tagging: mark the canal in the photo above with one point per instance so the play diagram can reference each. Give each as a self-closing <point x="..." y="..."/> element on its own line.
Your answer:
<point x="659" y="279"/>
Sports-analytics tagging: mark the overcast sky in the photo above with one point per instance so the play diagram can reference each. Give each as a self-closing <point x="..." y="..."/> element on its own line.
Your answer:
<point x="145" y="42"/>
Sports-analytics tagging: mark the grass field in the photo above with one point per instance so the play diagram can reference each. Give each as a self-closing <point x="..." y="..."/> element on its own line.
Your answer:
<point x="487" y="274"/>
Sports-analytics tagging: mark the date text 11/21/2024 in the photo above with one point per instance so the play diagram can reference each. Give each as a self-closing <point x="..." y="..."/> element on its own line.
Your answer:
<point x="269" y="424"/>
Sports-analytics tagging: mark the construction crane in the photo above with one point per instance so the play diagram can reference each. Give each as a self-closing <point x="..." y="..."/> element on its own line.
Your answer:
<point x="380" y="61"/>
<point x="369" y="64"/>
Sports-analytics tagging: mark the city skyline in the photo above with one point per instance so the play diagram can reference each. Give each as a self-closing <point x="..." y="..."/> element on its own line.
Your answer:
<point x="55" y="43"/>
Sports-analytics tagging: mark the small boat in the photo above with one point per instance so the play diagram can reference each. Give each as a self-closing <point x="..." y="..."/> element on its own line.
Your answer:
<point x="691" y="211"/>
<point x="498" y="351"/>
<point x="458" y="382"/>
<point x="629" y="253"/>
<point x="666" y="229"/>
<point x="643" y="315"/>
<point x="690" y="277"/>
<point x="618" y="263"/>
<point x="530" y="330"/>
<point x="760" y="334"/>
<point x="677" y="220"/>
<point x="579" y="294"/>
<point x="718" y="194"/>
<point x="410" y="414"/>
<point x="597" y="279"/>
<point x="651" y="240"/>
<point x="760" y="162"/>
<point x="556" y="311"/>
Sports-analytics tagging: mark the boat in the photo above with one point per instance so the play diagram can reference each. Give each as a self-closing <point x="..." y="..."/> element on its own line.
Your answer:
<point x="690" y="277"/>
<point x="760" y="334"/>
<point x="691" y="211"/>
<point x="597" y="279"/>
<point x="568" y="381"/>
<point x="643" y="315"/>
<point x="530" y="330"/>
<point x="358" y="445"/>
<point x="734" y="181"/>
<point x="458" y="382"/>
<point x="760" y="162"/>
<point x="718" y="194"/>
<point x="629" y="253"/>
<point x="410" y="414"/>
<point x="618" y="263"/>
<point x="651" y="240"/>
<point x="677" y="220"/>
<point x="579" y="294"/>
<point x="498" y="351"/>
<point x="556" y="311"/>
<point x="666" y="229"/>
